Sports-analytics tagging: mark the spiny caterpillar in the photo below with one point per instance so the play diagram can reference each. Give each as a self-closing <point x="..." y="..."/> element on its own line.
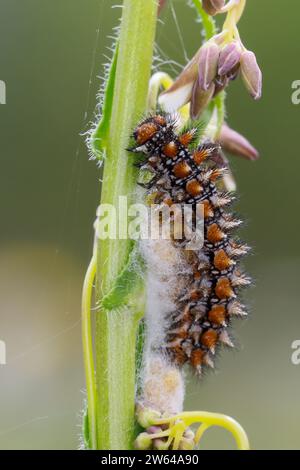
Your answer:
<point x="206" y="294"/>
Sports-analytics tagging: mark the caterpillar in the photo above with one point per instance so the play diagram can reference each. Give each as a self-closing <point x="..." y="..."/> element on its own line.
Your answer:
<point x="207" y="293"/>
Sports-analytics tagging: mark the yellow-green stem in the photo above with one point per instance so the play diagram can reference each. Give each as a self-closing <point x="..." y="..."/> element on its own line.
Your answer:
<point x="116" y="329"/>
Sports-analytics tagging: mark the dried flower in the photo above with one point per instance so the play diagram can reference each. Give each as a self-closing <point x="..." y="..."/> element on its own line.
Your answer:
<point x="251" y="74"/>
<point x="212" y="7"/>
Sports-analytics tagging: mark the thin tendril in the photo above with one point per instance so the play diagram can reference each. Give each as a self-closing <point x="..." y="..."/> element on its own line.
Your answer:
<point x="182" y="421"/>
<point x="179" y="33"/>
<point x="87" y="342"/>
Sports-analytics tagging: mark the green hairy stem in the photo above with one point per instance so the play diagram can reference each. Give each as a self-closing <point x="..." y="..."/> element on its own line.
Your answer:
<point x="116" y="323"/>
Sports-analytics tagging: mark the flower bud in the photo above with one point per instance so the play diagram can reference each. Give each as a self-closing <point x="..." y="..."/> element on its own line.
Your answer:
<point x="200" y="99"/>
<point x="146" y="416"/>
<point x="153" y="430"/>
<point x="235" y="143"/>
<point x="208" y="64"/>
<point x="233" y="74"/>
<point x="251" y="74"/>
<point x="189" y="434"/>
<point x="220" y="84"/>
<point x="187" y="444"/>
<point x="229" y="58"/>
<point x="143" y="442"/>
<point x="160" y="444"/>
<point x="212" y="7"/>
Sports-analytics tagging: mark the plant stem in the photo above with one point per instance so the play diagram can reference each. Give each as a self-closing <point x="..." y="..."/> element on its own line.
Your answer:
<point x="210" y="30"/>
<point x="116" y="330"/>
<point x="208" y="22"/>
<point x="116" y="378"/>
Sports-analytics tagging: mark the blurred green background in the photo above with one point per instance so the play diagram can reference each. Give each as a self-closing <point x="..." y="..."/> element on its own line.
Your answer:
<point x="51" y="57"/>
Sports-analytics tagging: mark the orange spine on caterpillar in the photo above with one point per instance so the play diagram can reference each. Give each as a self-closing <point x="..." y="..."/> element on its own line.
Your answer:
<point x="208" y="296"/>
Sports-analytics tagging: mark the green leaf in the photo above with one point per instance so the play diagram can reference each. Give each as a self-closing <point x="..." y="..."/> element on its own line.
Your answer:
<point x="85" y="429"/>
<point x="126" y="282"/>
<point x="99" y="137"/>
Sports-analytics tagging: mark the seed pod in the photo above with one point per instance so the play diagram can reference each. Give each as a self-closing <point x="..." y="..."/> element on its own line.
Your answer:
<point x="251" y="74"/>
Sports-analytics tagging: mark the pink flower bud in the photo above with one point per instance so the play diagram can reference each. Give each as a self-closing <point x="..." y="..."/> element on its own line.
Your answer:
<point x="233" y="74"/>
<point x="220" y="84"/>
<point x="208" y="64"/>
<point x="212" y="7"/>
<point x="229" y="58"/>
<point x="200" y="99"/>
<point x="235" y="143"/>
<point x="251" y="74"/>
<point x="154" y="430"/>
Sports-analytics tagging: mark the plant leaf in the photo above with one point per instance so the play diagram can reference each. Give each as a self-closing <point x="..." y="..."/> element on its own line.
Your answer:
<point x="99" y="137"/>
<point x="126" y="282"/>
<point x="85" y="429"/>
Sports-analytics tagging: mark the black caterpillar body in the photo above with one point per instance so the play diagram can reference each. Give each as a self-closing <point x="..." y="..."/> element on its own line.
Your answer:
<point x="209" y="299"/>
